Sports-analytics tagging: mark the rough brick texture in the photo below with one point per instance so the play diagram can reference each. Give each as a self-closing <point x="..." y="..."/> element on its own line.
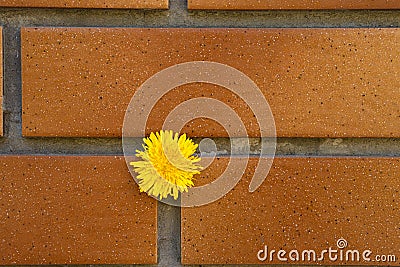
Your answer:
<point x="304" y="204"/>
<point x="292" y="4"/>
<point x="74" y="210"/>
<point x="318" y="82"/>
<point x="153" y="4"/>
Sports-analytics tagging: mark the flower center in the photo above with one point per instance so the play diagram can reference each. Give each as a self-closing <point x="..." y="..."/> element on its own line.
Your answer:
<point x="169" y="162"/>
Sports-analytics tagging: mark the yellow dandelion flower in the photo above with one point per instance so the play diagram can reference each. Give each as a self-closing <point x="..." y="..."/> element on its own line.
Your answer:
<point x="168" y="164"/>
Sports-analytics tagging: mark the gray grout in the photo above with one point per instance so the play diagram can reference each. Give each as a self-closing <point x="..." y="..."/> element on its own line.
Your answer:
<point x="12" y="82"/>
<point x="313" y="147"/>
<point x="169" y="235"/>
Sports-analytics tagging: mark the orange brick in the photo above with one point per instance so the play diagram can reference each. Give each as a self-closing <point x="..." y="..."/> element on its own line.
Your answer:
<point x="293" y="4"/>
<point x="74" y="210"/>
<point x="304" y="204"/>
<point x="151" y="4"/>
<point x="318" y="82"/>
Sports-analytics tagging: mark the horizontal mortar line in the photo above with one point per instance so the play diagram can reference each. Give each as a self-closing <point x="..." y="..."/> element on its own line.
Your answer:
<point x="332" y="18"/>
<point x="238" y="156"/>
<point x="64" y="24"/>
<point x="175" y="8"/>
<point x="44" y="138"/>
<point x="284" y="146"/>
<point x="60" y="10"/>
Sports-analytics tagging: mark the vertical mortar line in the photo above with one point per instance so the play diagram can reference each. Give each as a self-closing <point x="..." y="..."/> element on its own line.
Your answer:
<point x="169" y="217"/>
<point x="178" y="14"/>
<point x="169" y="235"/>
<point x="12" y="84"/>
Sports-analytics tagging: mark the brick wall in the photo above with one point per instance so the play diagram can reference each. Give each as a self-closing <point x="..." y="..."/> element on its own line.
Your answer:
<point x="329" y="70"/>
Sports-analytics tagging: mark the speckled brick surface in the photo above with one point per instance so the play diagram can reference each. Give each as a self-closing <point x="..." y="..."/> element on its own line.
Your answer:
<point x="74" y="210"/>
<point x="153" y="4"/>
<point x="304" y="204"/>
<point x="292" y="4"/>
<point x="318" y="82"/>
